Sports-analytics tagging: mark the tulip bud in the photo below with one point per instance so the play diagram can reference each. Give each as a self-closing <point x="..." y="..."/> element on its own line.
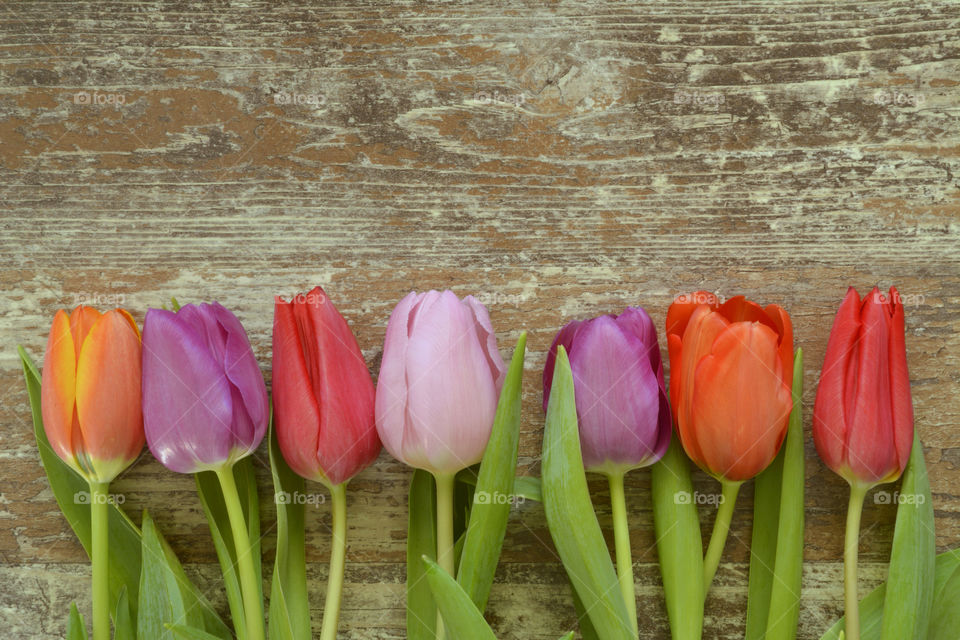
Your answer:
<point x="621" y="398"/>
<point x="730" y="380"/>
<point x="439" y="382"/>
<point x="322" y="391"/>
<point x="90" y="391"/>
<point x="204" y="399"/>
<point x="863" y="414"/>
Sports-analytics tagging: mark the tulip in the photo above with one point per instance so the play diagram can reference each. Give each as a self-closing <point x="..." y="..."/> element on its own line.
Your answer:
<point x="621" y="397"/>
<point x="863" y="413"/>
<point x="90" y="391"/>
<point x="622" y="409"/>
<point x="204" y="399"/>
<point x="205" y="407"/>
<point x="731" y="370"/>
<point x="439" y="382"/>
<point x="90" y="402"/>
<point x="323" y="412"/>
<point x="322" y="391"/>
<point x="437" y="394"/>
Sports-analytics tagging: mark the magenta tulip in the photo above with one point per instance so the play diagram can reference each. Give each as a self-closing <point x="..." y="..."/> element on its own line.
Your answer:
<point x="204" y="400"/>
<point x="620" y="393"/>
<point x="439" y="382"/>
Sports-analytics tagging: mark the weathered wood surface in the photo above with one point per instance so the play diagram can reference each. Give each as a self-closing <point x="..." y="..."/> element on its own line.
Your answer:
<point x="558" y="161"/>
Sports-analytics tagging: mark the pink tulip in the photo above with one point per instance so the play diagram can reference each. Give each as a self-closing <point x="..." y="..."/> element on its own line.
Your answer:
<point x="439" y="382"/>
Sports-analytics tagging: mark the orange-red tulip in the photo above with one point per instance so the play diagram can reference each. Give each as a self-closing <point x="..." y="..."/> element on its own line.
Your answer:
<point x="730" y="379"/>
<point x="90" y="391"/>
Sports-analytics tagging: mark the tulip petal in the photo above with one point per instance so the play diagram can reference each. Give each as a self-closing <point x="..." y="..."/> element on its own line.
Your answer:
<point x="240" y="366"/>
<point x="82" y="320"/>
<point x="347" y="439"/>
<point x="617" y="395"/>
<point x="452" y="396"/>
<point x="870" y="451"/>
<point x="391" y="398"/>
<point x="58" y="388"/>
<point x="296" y="414"/>
<point x="699" y="336"/>
<point x="108" y="391"/>
<point x="488" y="339"/>
<point x="784" y="328"/>
<point x="187" y="403"/>
<point x="741" y="405"/>
<point x="682" y="308"/>
<point x="900" y="398"/>
<point x="829" y="412"/>
<point x="564" y="338"/>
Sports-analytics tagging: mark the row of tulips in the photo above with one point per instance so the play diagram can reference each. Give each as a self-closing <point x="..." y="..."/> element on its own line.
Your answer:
<point x="192" y="390"/>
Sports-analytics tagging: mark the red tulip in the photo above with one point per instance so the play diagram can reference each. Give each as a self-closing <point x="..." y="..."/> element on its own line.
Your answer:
<point x="90" y="391"/>
<point x="322" y="391"/>
<point x="863" y="414"/>
<point x="730" y="379"/>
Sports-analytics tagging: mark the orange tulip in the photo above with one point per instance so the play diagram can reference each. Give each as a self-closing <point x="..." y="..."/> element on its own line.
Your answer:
<point x="731" y="371"/>
<point x="90" y="391"/>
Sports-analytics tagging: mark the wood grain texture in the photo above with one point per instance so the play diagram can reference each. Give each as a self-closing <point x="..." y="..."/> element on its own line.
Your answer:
<point x="558" y="161"/>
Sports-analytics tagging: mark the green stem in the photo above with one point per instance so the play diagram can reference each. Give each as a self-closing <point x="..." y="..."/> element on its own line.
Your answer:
<point x="100" y="558"/>
<point x="445" y="556"/>
<point x="621" y="537"/>
<point x="252" y="602"/>
<point x="850" y="551"/>
<point x="721" y="527"/>
<point x="338" y="551"/>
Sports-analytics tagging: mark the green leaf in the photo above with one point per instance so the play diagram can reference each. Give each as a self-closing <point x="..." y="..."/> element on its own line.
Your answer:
<point x="945" y="614"/>
<point x="215" y="508"/>
<point x="493" y="496"/>
<point x="161" y="599"/>
<point x="871" y="607"/>
<point x="679" y="545"/>
<point x="913" y="556"/>
<point x="776" y="548"/>
<point x="763" y="546"/>
<point x="587" y="632"/>
<point x="76" y="630"/>
<point x="570" y="515"/>
<point x="189" y="633"/>
<point x="421" y="541"/>
<point x="461" y="618"/>
<point x="69" y="488"/>
<point x="289" y="605"/>
<point x="567" y="636"/>
<point x="124" y="627"/>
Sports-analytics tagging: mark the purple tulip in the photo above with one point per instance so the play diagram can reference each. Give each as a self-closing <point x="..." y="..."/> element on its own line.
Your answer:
<point x="620" y="394"/>
<point x="204" y="401"/>
<point x="439" y="382"/>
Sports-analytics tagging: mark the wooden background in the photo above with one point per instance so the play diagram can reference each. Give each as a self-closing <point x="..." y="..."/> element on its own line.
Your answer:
<point x="556" y="161"/>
